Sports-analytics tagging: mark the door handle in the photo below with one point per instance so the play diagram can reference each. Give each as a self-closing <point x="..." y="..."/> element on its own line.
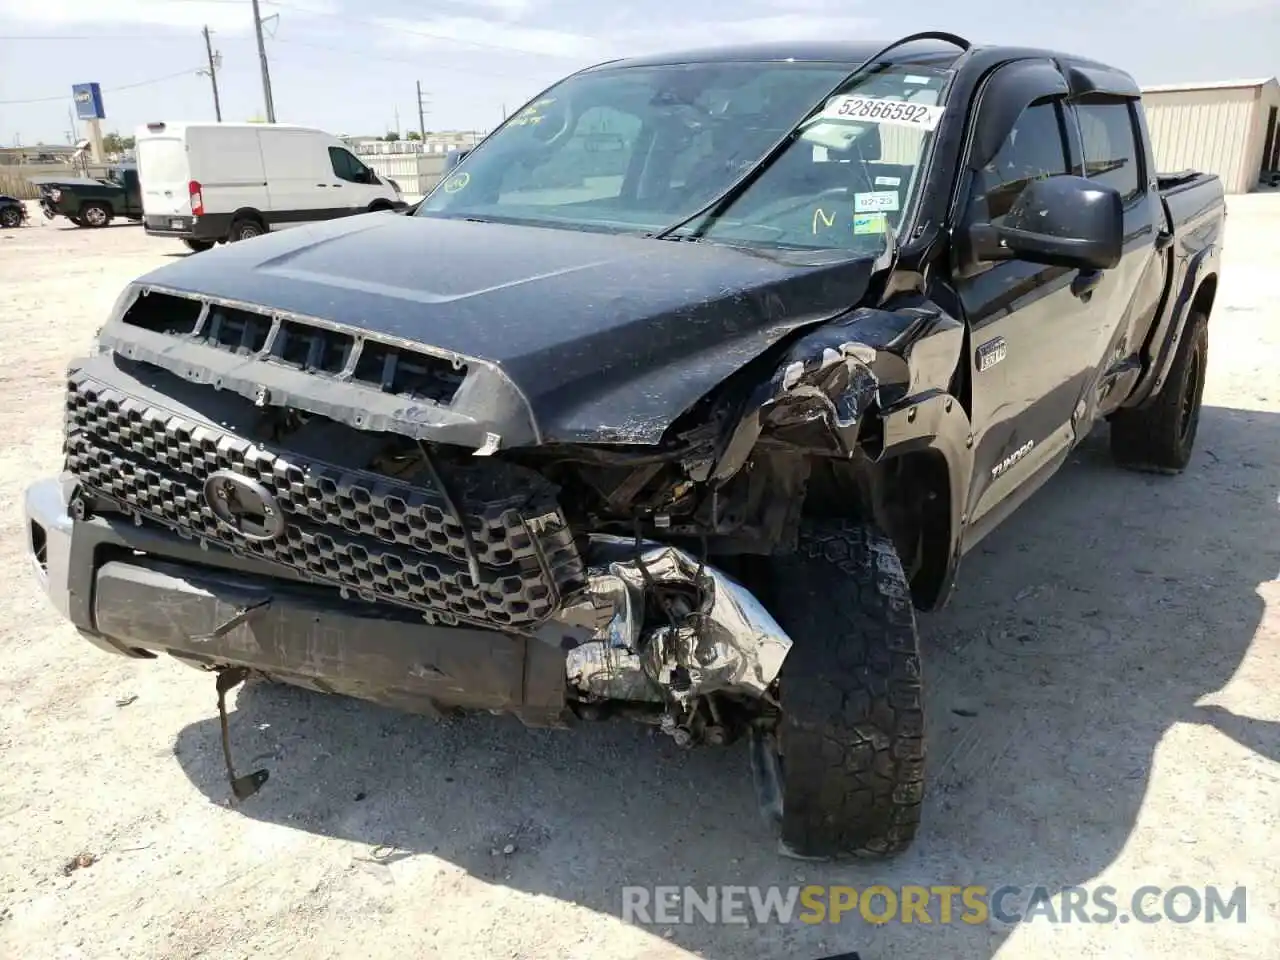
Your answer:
<point x="321" y="184"/>
<point x="1085" y="282"/>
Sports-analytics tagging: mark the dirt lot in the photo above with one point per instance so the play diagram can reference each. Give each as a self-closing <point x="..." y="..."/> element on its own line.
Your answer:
<point x="1104" y="709"/>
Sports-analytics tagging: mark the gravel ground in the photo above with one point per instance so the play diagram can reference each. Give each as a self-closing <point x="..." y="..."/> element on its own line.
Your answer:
<point x="1103" y="699"/>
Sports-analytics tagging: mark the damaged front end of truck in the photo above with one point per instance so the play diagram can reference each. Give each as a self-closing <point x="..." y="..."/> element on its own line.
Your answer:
<point x="269" y="494"/>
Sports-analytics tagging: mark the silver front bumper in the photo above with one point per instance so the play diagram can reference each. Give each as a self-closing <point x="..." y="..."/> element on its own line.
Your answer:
<point x="48" y="531"/>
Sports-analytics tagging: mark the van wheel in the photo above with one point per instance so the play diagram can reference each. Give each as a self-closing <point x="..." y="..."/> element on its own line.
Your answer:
<point x="94" y="215"/>
<point x="198" y="246"/>
<point x="245" y="229"/>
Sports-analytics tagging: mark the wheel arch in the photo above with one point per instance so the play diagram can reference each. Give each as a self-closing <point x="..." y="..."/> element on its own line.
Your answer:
<point x="914" y="488"/>
<point x="1202" y="301"/>
<point x="249" y="213"/>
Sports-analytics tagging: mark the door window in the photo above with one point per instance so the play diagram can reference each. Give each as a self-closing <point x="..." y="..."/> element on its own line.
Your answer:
<point x="1034" y="149"/>
<point x="347" y="167"/>
<point x="1110" y="147"/>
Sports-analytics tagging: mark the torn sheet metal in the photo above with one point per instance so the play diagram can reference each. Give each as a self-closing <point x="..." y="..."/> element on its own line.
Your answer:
<point x="714" y="636"/>
<point x="825" y="380"/>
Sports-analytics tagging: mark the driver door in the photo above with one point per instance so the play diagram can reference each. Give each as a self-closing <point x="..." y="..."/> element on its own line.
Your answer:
<point x="1029" y="324"/>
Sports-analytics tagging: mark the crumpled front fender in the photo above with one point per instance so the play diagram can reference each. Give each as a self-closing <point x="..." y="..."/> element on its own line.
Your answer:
<point x="831" y="379"/>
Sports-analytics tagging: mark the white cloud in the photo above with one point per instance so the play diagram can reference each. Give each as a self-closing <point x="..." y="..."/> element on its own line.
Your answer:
<point x="510" y="9"/>
<point x="786" y="27"/>
<point x="449" y="32"/>
<point x="224" y="17"/>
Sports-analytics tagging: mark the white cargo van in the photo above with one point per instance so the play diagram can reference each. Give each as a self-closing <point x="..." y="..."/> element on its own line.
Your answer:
<point x="207" y="183"/>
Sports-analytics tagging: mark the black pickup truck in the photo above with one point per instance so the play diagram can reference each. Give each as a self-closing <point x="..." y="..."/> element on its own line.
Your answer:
<point x="92" y="201"/>
<point x="682" y="431"/>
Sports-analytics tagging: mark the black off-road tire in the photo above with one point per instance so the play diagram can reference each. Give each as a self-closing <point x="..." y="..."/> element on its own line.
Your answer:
<point x="245" y="228"/>
<point x="95" y="215"/>
<point x="198" y="246"/>
<point x="10" y="218"/>
<point x="851" y="736"/>
<point x="1160" y="437"/>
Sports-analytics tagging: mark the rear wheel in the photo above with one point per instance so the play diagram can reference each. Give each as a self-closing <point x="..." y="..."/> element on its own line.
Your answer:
<point x="851" y="737"/>
<point x="198" y="246"/>
<point x="94" y="215"/>
<point x="10" y="217"/>
<point x="246" y="228"/>
<point x="1160" y="437"/>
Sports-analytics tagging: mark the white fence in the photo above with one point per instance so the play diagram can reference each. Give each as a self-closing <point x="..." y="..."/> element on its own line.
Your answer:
<point x="416" y="173"/>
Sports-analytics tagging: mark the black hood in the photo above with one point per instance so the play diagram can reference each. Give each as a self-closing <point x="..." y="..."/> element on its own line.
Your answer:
<point x="608" y="337"/>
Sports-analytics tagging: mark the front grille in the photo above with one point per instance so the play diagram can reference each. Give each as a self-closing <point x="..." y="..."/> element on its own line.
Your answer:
<point x="382" y="538"/>
<point x="391" y="368"/>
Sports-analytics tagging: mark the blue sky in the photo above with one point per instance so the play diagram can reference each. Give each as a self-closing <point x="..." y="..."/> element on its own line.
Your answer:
<point x="349" y="65"/>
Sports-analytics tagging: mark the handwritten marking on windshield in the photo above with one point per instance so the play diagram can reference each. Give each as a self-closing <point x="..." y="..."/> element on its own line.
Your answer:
<point x="827" y="221"/>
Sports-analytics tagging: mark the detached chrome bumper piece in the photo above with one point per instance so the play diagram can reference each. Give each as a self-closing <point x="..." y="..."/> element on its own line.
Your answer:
<point x="717" y="638"/>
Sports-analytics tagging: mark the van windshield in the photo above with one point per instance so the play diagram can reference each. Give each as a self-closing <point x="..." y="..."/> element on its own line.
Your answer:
<point x="637" y="149"/>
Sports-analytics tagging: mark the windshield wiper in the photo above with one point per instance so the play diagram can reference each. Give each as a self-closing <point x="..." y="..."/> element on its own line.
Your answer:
<point x="722" y="200"/>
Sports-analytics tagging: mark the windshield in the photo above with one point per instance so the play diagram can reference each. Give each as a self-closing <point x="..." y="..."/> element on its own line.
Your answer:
<point x="637" y="149"/>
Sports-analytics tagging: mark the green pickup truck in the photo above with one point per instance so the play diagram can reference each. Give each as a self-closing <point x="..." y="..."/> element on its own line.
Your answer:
<point x="92" y="202"/>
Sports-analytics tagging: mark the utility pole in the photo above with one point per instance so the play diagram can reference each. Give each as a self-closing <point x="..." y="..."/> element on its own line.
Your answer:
<point x="213" y="73"/>
<point x="262" y="56"/>
<point x="422" y="122"/>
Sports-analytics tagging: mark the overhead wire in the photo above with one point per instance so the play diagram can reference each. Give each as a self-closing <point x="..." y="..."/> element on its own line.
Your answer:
<point x="116" y="89"/>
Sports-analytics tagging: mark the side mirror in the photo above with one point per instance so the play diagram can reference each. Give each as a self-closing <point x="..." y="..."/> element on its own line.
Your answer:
<point x="1061" y="221"/>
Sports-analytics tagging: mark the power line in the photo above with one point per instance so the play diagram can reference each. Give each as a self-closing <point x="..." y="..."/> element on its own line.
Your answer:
<point x="127" y="86"/>
<point x="89" y="36"/>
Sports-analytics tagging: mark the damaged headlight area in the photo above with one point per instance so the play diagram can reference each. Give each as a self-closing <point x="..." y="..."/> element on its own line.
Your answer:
<point x="669" y="629"/>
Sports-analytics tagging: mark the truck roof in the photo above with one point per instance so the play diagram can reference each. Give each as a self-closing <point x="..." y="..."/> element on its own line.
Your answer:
<point x="852" y="52"/>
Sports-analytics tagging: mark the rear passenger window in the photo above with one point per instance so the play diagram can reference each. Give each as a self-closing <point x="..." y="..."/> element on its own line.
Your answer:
<point x="1110" y="147"/>
<point x="1034" y="149"/>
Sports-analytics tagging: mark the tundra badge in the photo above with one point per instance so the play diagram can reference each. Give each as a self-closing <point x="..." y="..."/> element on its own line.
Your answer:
<point x="991" y="353"/>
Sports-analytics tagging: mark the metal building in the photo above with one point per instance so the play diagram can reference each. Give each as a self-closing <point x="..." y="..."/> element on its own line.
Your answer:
<point x="1230" y="128"/>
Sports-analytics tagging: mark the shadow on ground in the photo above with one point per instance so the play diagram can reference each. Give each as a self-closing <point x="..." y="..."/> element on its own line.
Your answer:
<point x="1093" y="620"/>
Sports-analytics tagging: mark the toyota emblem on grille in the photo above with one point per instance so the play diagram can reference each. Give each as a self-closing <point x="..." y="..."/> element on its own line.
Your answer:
<point x="244" y="505"/>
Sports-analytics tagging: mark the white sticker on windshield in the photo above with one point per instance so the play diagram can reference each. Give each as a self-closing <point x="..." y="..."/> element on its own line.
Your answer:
<point x="899" y="113"/>
<point x="912" y="78"/>
<point x="888" y="181"/>
<point x="878" y="200"/>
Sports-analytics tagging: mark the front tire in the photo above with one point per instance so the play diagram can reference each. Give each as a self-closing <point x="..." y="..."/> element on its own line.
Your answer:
<point x="10" y="218"/>
<point x="851" y="736"/>
<point x="1160" y="437"/>
<point x="94" y="215"/>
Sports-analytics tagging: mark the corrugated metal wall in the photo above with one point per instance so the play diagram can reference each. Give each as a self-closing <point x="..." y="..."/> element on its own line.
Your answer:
<point x="1211" y="130"/>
